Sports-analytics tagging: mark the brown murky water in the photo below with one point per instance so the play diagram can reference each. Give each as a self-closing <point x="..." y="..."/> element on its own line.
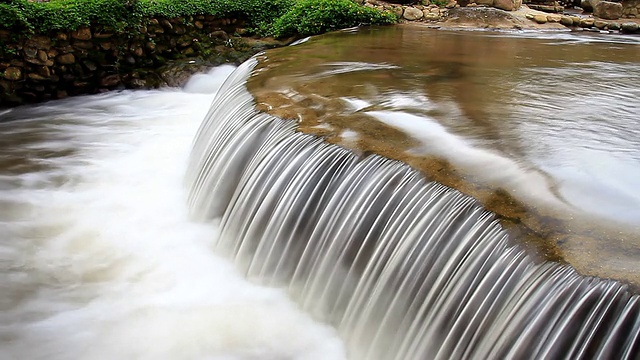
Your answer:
<point x="542" y="128"/>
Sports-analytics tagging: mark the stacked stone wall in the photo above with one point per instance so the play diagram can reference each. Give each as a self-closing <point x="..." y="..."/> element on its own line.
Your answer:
<point x="96" y="59"/>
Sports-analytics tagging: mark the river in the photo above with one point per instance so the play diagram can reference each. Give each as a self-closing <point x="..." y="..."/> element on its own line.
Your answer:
<point x="99" y="258"/>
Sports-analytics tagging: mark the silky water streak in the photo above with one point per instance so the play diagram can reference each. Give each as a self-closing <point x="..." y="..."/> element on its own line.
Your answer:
<point x="404" y="268"/>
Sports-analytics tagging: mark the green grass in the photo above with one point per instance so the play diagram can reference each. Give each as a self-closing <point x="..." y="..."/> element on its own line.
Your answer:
<point x="266" y="17"/>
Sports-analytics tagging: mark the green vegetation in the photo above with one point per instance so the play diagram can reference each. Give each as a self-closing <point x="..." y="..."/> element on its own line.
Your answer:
<point x="310" y="17"/>
<point x="266" y="17"/>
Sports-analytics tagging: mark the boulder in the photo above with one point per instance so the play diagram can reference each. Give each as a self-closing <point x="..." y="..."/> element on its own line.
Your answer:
<point x="629" y="27"/>
<point x="412" y="13"/>
<point x="508" y="5"/>
<point x="540" y="18"/>
<point x="566" y="21"/>
<point x="608" y="10"/>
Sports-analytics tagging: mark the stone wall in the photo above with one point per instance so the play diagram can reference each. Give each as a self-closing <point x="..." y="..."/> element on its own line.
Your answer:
<point x="631" y="8"/>
<point x="98" y="59"/>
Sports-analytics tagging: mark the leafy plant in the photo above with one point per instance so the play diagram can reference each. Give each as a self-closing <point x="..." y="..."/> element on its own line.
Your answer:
<point x="264" y="17"/>
<point x="309" y="17"/>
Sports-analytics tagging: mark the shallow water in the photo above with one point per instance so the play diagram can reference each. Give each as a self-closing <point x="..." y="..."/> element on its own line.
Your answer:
<point x="549" y="119"/>
<point x="98" y="259"/>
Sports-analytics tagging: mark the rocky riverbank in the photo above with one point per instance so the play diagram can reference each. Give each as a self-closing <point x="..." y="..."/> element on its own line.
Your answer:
<point x="595" y="15"/>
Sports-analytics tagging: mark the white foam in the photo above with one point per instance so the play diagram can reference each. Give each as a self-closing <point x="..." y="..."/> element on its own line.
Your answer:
<point x="105" y="264"/>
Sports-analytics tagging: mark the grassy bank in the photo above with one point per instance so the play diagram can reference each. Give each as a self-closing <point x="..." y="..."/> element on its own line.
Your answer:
<point x="266" y="17"/>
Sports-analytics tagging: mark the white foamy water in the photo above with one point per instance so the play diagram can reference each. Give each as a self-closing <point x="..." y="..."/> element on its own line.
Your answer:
<point x="98" y="258"/>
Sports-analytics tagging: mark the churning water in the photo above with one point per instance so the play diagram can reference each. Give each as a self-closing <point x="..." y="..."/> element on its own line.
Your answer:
<point x="98" y="259"/>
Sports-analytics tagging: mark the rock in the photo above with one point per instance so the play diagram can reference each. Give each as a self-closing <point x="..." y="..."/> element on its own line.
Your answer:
<point x="576" y="20"/>
<point x="44" y="71"/>
<point x="12" y="73"/>
<point x="42" y="56"/>
<point x="586" y="22"/>
<point x="166" y="24"/>
<point x="412" y="13"/>
<point x="554" y="18"/>
<point x="629" y="27"/>
<point x="30" y="52"/>
<point x="540" y="18"/>
<point x="508" y="5"/>
<point x="529" y="16"/>
<point x="398" y="11"/>
<point x="110" y="80"/>
<point x="484" y="2"/>
<point x="600" y="24"/>
<point x="198" y="24"/>
<point x="566" y="21"/>
<point x="81" y="34"/>
<point x="90" y="65"/>
<point x="36" y="77"/>
<point x="219" y="34"/>
<point x="613" y="26"/>
<point x="432" y="16"/>
<point x="586" y="5"/>
<point x="608" y="10"/>
<point x="66" y="59"/>
<point x="38" y="42"/>
<point x="451" y="4"/>
<point x="79" y="44"/>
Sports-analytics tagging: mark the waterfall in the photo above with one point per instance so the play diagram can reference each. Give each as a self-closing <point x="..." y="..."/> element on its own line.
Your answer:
<point x="404" y="268"/>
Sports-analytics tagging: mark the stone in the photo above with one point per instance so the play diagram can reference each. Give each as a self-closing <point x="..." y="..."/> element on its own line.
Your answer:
<point x="80" y="44"/>
<point x="66" y="59"/>
<point x="198" y="24"/>
<point x="81" y="34"/>
<point x="600" y="24"/>
<point x="586" y="23"/>
<point x="451" y="4"/>
<point x="540" y="18"/>
<point x="529" y="16"/>
<point x="629" y="27"/>
<point x="432" y="16"/>
<point x="412" y="13"/>
<point x="484" y="2"/>
<point x="554" y="18"/>
<point x="36" y="77"/>
<point x="586" y="5"/>
<point x="166" y="24"/>
<point x="44" y="71"/>
<point x="90" y="65"/>
<point x="576" y="20"/>
<point x="566" y="21"/>
<point x="613" y="26"/>
<point x="110" y="80"/>
<point x="608" y="10"/>
<point x="508" y="5"/>
<point x="42" y="56"/>
<point x="12" y="73"/>
<point x="30" y="52"/>
<point x="38" y="42"/>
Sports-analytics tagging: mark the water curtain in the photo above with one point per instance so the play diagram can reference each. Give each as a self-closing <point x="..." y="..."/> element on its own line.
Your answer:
<point x="404" y="268"/>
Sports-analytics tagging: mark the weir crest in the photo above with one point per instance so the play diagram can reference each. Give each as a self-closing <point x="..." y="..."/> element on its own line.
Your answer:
<point x="404" y="268"/>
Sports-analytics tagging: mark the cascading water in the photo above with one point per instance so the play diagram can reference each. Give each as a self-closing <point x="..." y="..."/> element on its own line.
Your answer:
<point x="403" y="267"/>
